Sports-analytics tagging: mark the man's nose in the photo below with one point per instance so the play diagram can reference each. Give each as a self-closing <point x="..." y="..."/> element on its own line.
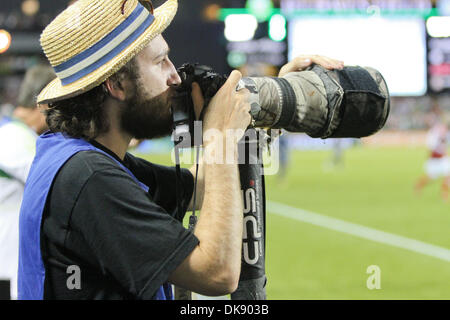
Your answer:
<point x="174" y="78"/>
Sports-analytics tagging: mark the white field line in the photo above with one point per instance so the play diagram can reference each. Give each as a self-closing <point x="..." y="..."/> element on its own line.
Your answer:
<point x="358" y="230"/>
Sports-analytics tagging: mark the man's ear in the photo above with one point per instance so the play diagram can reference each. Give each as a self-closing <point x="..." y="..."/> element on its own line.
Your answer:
<point x="115" y="89"/>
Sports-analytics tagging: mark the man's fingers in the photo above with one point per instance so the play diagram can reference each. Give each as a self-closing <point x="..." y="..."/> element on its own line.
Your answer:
<point x="300" y="63"/>
<point x="328" y="63"/>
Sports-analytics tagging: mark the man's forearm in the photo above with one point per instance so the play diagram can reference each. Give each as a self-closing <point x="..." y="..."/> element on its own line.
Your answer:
<point x="219" y="228"/>
<point x="213" y="268"/>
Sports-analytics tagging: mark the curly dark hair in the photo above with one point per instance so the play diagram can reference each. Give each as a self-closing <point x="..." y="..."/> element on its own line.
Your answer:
<point x="84" y="116"/>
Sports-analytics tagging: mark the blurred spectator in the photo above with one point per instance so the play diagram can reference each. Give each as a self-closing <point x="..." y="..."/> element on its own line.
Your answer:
<point x="284" y="152"/>
<point x="337" y="157"/>
<point x="437" y="165"/>
<point x="17" y="147"/>
<point x="6" y="110"/>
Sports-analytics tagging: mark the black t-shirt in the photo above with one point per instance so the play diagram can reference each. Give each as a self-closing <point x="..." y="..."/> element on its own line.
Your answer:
<point x="124" y="241"/>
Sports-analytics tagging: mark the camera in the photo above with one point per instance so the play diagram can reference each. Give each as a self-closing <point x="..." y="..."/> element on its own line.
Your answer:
<point x="352" y="102"/>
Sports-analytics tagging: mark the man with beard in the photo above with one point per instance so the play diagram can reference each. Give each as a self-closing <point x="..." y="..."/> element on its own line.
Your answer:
<point x="98" y="223"/>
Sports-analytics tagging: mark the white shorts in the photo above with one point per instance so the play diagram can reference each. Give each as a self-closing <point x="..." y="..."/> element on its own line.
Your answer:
<point x="437" y="167"/>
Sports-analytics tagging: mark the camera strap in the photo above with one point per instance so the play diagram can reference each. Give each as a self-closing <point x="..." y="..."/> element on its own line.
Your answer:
<point x="178" y="189"/>
<point x="193" y="217"/>
<point x="181" y="293"/>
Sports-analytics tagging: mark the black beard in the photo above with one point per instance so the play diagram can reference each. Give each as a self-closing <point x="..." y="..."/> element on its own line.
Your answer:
<point x="146" y="118"/>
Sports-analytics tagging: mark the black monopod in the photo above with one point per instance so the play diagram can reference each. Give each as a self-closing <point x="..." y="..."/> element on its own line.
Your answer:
<point x="253" y="279"/>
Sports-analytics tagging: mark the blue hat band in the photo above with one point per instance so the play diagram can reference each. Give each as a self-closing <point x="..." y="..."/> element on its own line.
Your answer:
<point x="107" y="48"/>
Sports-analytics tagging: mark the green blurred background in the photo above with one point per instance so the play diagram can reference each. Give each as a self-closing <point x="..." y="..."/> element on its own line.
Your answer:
<point x="371" y="187"/>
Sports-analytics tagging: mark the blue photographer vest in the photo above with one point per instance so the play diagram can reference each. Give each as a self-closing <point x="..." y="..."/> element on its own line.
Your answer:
<point x="53" y="150"/>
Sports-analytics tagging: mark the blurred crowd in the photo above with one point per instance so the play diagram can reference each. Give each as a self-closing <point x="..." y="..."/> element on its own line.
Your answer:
<point x="411" y="113"/>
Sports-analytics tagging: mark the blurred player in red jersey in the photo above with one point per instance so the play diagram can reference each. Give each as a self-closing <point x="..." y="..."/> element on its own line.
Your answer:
<point x="438" y="164"/>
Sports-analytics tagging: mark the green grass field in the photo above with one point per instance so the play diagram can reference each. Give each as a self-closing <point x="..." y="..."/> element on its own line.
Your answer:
<point x="373" y="188"/>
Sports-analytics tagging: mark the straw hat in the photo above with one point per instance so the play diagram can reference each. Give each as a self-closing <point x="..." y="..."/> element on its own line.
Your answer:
<point x="93" y="39"/>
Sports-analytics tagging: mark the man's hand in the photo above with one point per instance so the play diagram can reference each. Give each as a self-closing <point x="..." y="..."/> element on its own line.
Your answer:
<point x="302" y="62"/>
<point x="229" y="109"/>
